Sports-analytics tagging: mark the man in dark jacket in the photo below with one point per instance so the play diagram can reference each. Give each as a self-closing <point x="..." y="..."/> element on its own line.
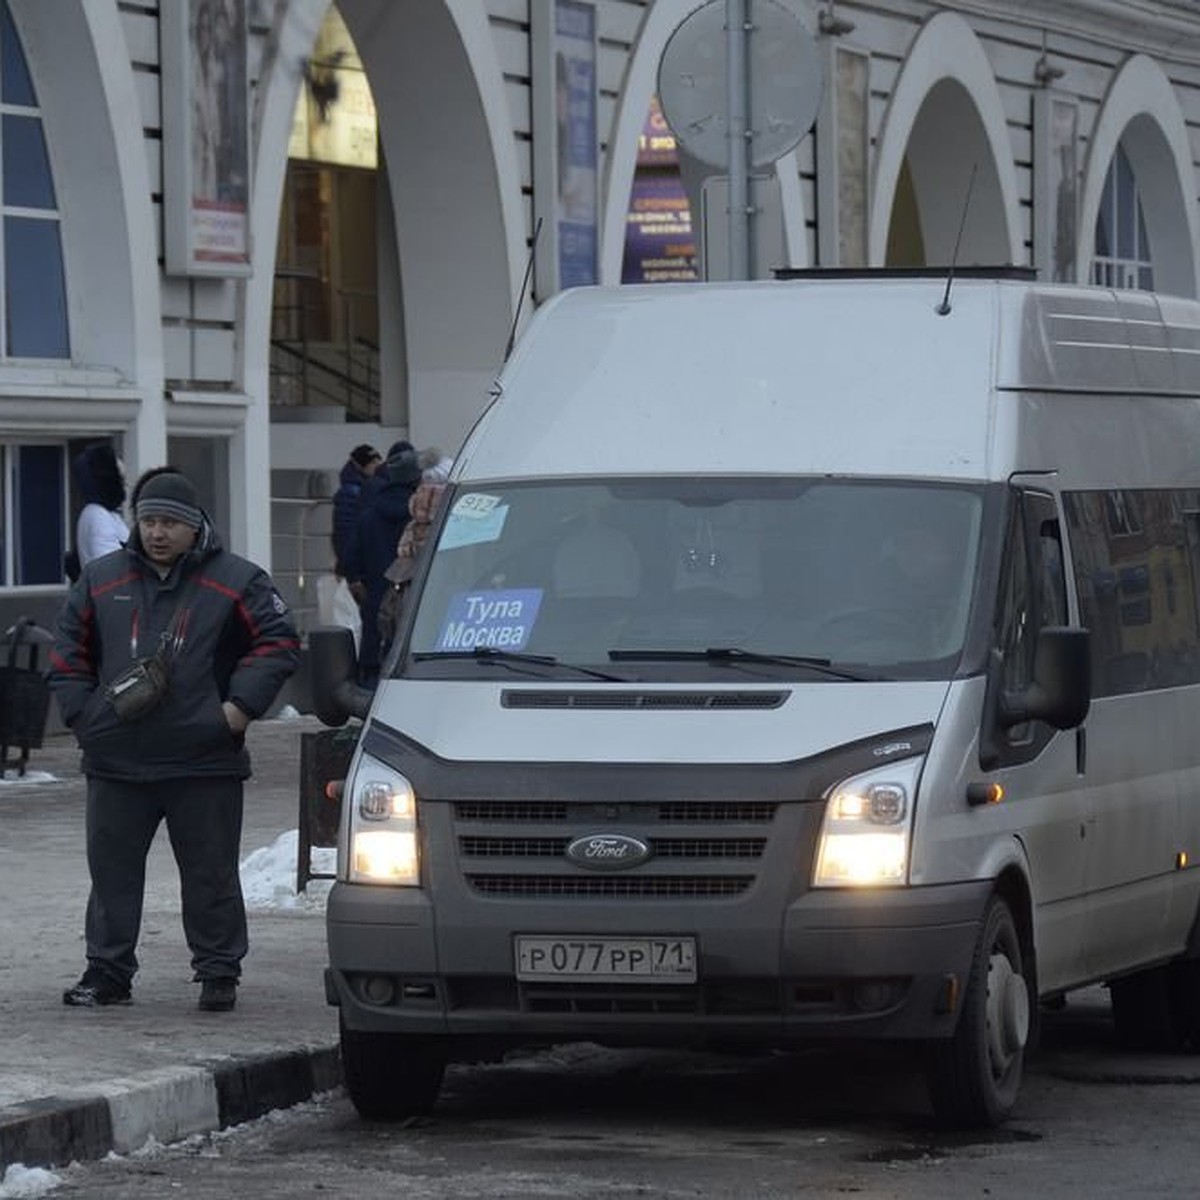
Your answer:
<point x="229" y="644"/>
<point x="373" y="548"/>
<point x="359" y="481"/>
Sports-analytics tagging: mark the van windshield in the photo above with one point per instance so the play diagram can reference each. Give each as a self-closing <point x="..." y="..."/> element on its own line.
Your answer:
<point x="718" y="579"/>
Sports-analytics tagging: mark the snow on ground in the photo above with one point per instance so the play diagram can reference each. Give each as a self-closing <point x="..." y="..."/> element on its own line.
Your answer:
<point x="25" y="1183"/>
<point x="8" y="778"/>
<point x="269" y="875"/>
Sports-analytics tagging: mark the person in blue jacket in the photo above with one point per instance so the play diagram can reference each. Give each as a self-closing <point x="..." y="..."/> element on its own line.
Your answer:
<point x="373" y="549"/>
<point x="360" y="479"/>
<point x="229" y="645"/>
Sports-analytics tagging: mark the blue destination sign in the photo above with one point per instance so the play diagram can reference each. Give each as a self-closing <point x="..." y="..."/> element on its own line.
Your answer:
<point x="496" y="620"/>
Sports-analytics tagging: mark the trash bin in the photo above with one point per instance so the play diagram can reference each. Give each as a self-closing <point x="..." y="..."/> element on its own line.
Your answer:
<point x="24" y="695"/>
<point x="324" y="758"/>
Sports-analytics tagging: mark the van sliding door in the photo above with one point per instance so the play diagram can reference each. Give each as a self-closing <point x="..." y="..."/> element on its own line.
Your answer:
<point x="1129" y="555"/>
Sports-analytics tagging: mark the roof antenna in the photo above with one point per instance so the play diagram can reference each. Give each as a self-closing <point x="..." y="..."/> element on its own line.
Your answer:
<point x="512" y="333"/>
<point x="944" y="308"/>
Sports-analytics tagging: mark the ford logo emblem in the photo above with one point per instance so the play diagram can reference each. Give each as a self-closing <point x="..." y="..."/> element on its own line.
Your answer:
<point x="608" y="851"/>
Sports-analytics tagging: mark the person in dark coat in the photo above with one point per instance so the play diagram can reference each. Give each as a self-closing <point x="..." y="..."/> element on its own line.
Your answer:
<point x="373" y="548"/>
<point x="358" y="483"/>
<point x="229" y="644"/>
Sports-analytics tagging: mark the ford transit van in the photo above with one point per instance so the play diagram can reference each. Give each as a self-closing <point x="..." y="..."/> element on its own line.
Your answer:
<point x="790" y="661"/>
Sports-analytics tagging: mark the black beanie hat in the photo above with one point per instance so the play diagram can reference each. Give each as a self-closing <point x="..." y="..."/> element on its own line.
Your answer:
<point x="170" y="494"/>
<point x="403" y="466"/>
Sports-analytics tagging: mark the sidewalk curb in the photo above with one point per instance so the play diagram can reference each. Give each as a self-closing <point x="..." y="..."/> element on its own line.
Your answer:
<point x="169" y="1104"/>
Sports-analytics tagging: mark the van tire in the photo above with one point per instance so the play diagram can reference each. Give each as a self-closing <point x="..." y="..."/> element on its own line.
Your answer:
<point x="390" y="1076"/>
<point x="974" y="1076"/>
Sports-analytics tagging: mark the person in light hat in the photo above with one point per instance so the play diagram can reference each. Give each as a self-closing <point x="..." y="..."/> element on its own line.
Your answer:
<point x="216" y="625"/>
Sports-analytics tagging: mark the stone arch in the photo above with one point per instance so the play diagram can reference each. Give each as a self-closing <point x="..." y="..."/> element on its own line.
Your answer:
<point x="455" y="188"/>
<point x="1141" y="112"/>
<point x="640" y="82"/>
<point x="946" y="111"/>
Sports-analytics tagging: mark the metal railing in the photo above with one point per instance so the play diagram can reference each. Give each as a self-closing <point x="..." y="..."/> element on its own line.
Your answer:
<point x="304" y="375"/>
<point x="341" y="367"/>
<point x="313" y="557"/>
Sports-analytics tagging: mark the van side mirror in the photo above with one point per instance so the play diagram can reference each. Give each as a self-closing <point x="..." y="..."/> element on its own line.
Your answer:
<point x="336" y="695"/>
<point x="1061" y="690"/>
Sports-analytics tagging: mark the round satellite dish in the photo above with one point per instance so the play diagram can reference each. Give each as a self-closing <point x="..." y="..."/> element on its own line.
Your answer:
<point x="785" y="79"/>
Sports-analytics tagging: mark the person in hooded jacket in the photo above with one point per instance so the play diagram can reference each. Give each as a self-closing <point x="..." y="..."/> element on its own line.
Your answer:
<point x="100" y="528"/>
<point x="373" y="548"/>
<point x="359" y="481"/>
<point x="229" y="644"/>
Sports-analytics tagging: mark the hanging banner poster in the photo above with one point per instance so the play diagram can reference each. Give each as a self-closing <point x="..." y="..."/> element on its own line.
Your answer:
<point x="206" y="156"/>
<point x="566" y="146"/>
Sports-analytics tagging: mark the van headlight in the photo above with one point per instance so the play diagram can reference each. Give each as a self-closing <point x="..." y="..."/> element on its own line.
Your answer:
<point x="865" y="834"/>
<point x="383" y="842"/>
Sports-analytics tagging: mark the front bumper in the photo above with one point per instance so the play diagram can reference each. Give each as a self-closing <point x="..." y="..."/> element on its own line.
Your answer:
<point x="840" y="964"/>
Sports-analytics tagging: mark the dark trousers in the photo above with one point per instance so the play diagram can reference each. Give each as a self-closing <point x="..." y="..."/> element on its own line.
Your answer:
<point x="204" y="824"/>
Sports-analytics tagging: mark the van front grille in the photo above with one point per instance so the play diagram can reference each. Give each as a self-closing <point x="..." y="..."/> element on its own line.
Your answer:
<point x="626" y="886"/>
<point x="504" y="811"/>
<point x="699" y="848"/>
<point x="703" y="850"/>
<point x="510" y="810"/>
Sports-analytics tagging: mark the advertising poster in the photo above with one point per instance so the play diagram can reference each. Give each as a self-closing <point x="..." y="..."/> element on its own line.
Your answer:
<point x="206" y="137"/>
<point x="566" y="150"/>
<point x="577" y="151"/>
<point x="660" y="246"/>
<point x="1056" y="175"/>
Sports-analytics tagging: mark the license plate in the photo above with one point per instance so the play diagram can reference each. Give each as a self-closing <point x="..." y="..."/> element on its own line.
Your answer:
<point x="632" y="960"/>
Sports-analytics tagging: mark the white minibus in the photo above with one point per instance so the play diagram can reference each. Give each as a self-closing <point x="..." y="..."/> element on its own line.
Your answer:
<point x="790" y="661"/>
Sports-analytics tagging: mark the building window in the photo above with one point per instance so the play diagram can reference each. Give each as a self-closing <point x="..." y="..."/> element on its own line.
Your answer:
<point x="34" y="295"/>
<point x="1122" y="252"/>
<point x="33" y="508"/>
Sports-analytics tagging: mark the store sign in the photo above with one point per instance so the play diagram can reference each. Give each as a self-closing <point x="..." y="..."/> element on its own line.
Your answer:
<point x="656" y="146"/>
<point x="659" y="243"/>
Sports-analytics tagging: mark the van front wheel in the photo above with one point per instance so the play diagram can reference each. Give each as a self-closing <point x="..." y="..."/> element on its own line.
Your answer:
<point x="390" y="1076"/>
<point x="974" y="1076"/>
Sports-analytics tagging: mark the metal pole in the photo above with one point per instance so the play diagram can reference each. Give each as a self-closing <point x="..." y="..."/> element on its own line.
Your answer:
<point x="739" y="144"/>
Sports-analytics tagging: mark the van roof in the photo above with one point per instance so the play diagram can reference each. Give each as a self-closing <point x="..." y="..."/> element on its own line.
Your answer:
<point x="847" y="375"/>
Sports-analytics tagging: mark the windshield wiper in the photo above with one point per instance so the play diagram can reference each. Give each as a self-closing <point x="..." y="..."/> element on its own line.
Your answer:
<point x="735" y="655"/>
<point x="515" y="660"/>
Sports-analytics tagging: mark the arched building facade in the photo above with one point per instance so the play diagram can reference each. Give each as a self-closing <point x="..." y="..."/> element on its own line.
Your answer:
<point x="1072" y="124"/>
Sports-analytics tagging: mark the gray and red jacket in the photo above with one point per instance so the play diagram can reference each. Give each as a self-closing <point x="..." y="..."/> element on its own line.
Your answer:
<point x="236" y="641"/>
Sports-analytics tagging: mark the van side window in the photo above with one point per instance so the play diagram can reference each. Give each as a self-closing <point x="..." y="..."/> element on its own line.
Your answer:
<point x="1033" y="586"/>
<point x="1136" y="558"/>
<point x="1052" y="580"/>
<point x="1014" y="632"/>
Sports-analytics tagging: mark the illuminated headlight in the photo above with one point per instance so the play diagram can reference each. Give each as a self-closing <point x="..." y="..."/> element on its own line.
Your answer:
<point x="865" y="833"/>
<point x="383" y="842"/>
